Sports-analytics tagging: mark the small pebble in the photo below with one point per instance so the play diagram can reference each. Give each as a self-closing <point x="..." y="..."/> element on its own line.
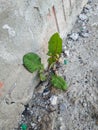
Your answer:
<point x="88" y="6"/>
<point x="85" y="10"/>
<point x="84" y="33"/>
<point x="39" y="119"/>
<point x="53" y="100"/>
<point x="74" y="36"/>
<point x="33" y="125"/>
<point x="61" y="60"/>
<point x="83" y="17"/>
<point x="89" y="1"/>
<point x="46" y="91"/>
<point x="67" y="53"/>
<point x="52" y="108"/>
<point x="95" y="25"/>
<point x="65" y="47"/>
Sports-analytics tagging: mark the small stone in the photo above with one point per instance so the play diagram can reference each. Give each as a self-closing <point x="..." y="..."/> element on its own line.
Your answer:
<point x="39" y="119"/>
<point x="67" y="52"/>
<point x="65" y="47"/>
<point x="83" y="25"/>
<point x="22" y="116"/>
<point x="31" y="112"/>
<point x="26" y="111"/>
<point x="89" y="1"/>
<point x="62" y="128"/>
<point x="52" y="108"/>
<point x="84" y="104"/>
<point x="56" y="72"/>
<point x="74" y="36"/>
<point x="83" y="17"/>
<point x="70" y="42"/>
<point x="62" y="107"/>
<point x="86" y="9"/>
<point x="33" y="125"/>
<point x="46" y="91"/>
<point x="53" y="100"/>
<point x="82" y="28"/>
<point x="94" y="25"/>
<point x="84" y="33"/>
<point x="61" y="60"/>
<point x="60" y="119"/>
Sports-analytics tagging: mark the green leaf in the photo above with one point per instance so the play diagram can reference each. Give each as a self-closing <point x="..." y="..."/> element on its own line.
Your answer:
<point x="55" y="45"/>
<point x="51" y="60"/>
<point x="42" y="77"/>
<point x="54" y="48"/>
<point x="59" y="82"/>
<point x="41" y="68"/>
<point x="32" y="62"/>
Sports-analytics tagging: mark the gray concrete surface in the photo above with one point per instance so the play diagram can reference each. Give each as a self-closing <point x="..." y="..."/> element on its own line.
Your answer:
<point x="76" y="108"/>
<point x="26" y="25"/>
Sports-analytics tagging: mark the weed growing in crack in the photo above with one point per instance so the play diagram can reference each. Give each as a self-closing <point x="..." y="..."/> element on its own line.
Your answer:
<point x="32" y="62"/>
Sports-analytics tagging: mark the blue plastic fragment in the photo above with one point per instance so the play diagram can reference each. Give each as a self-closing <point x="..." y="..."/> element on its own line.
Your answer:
<point x="24" y="127"/>
<point x="65" y="62"/>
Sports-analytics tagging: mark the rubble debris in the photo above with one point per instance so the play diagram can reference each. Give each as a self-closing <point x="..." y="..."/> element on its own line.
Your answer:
<point x="73" y="36"/>
<point x="83" y="17"/>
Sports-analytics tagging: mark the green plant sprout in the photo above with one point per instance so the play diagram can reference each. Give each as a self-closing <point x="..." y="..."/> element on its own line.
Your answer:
<point x="32" y="62"/>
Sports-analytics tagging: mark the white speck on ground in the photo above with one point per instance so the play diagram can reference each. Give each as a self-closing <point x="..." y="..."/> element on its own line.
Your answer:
<point x="74" y="36"/>
<point x="10" y="30"/>
<point x="83" y="17"/>
<point x="53" y="100"/>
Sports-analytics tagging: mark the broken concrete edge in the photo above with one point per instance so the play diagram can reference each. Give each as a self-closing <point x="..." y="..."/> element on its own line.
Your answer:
<point x="14" y="99"/>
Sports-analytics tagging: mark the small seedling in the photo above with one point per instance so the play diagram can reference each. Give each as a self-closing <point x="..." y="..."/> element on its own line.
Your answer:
<point x="32" y="62"/>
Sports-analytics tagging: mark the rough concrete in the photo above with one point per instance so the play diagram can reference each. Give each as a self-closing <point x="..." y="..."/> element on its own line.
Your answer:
<point x="76" y="108"/>
<point x="26" y="25"/>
